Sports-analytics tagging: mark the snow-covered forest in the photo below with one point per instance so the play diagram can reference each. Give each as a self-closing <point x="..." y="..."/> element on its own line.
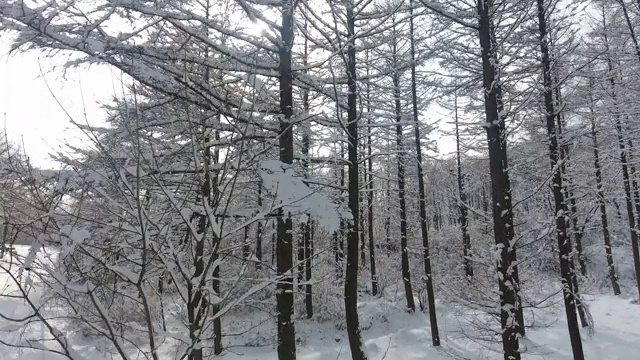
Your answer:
<point x="269" y="184"/>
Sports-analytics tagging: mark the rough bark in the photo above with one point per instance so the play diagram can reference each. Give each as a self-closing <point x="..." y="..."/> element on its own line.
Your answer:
<point x="351" y="276"/>
<point x="562" y="229"/>
<point x="500" y="189"/>
<point x="284" y="241"/>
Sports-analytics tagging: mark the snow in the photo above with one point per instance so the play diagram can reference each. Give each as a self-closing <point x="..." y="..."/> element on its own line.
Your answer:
<point x="388" y="330"/>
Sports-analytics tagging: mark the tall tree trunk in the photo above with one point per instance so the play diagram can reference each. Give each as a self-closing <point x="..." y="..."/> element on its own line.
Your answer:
<point x="351" y="277"/>
<point x="284" y="242"/>
<point x="301" y="261"/>
<point x="259" y="229"/>
<point x="246" y="248"/>
<point x="306" y="226"/>
<point x="404" y="255"/>
<point x="372" y="257"/>
<point x="199" y="307"/>
<point x="515" y="272"/>
<point x="340" y="235"/>
<point x="363" y="256"/>
<point x="623" y="161"/>
<point x="600" y="195"/>
<point x="462" y="203"/>
<point x="500" y="189"/>
<point x="308" y="249"/>
<point x="571" y="209"/>
<point x="428" y="278"/>
<point x="387" y="202"/>
<point x="564" y="242"/>
<point x="634" y="184"/>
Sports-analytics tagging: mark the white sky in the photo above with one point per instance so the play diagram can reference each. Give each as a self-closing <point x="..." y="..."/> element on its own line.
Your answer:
<point x="31" y="114"/>
<point x="34" y="118"/>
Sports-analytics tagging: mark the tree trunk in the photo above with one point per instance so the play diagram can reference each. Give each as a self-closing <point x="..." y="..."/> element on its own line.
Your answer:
<point x="363" y="257"/>
<point x="624" y="162"/>
<point x="601" y="199"/>
<point x="571" y="210"/>
<point x="564" y="242"/>
<point x="428" y="279"/>
<point x="259" y="230"/>
<point x="307" y="242"/>
<point x="351" y="277"/>
<point x="572" y="207"/>
<point x="308" y="249"/>
<point x="284" y="241"/>
<point x="340" y="235"/>
<point x="462" y="204"/>
<point x="301" y="260"/>
<point x="404" y="255"/>
<point x="246" y="249"/>
<point x="372" y="258"/>
<point x="500" y="188"/>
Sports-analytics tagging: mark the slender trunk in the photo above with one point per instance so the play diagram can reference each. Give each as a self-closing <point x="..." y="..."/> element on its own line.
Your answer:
<point x="564" y="242"/>
<point x="306" y="226"/>
<point x="623" y="161"/>
<point x="462" y="205"/>
<point x="259" y="230"/>
<point x="433" y="319"/>
<point x="501" y="190"/>
<point x="215" y="283"/>
<point x="632" y="32"/>
<point x="634" y="183"/>
<point x="301" y="260"/>
<point x="200" y="306"/>
<point x="284" y="241"/>
<point x="570" y="209"/>
<point x="340" y="235"/>
<point x="372" y="258"/>
<point x="387" y="201"/>
<point x="308" y="248"/>
<point x="600" y="196"/>
<point x="406" y="274"/>
<point x="273" y="245"/>
<point x="502" y="124"/>
<point x="351" y="277"/>
<point x="246" y="249"/>
<point x="197" y="307"/>
<point x="363" y="257"/>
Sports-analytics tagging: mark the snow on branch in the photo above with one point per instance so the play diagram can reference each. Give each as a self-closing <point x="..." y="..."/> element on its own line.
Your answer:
<point x="287" y="187"/>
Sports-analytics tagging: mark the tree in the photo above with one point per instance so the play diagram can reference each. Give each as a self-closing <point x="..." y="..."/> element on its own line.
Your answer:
<point x="426" y="257"/>
<point x="500" y="186"/>
<point x="602" y="205"/>
<point x="284" y="241"/>
<point x="562" y="229"/>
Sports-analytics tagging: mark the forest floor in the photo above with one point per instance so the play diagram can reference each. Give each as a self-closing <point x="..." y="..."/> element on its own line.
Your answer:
<point x="389" y="332"/>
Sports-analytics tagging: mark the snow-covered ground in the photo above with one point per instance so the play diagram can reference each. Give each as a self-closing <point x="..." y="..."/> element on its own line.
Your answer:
<point x="390" y="333"/>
